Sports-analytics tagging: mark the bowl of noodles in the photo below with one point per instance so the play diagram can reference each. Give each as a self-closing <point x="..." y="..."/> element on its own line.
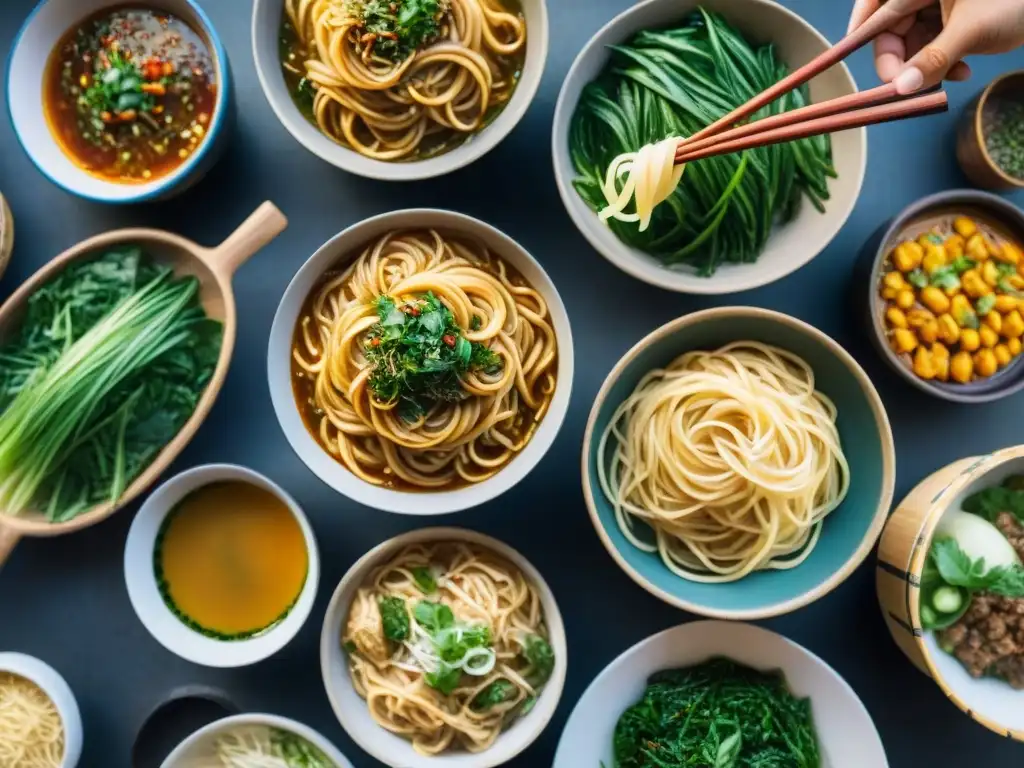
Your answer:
<point x="420" y="362"/>
<point x="443" y="648"/>
<point x="404" y="89"/>
<point x="40" y="724"/>
<point x="738" y="463"/>
<point x="256" y="741"/>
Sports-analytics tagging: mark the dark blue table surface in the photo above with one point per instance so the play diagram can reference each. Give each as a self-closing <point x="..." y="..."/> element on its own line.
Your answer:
<point x="64" y="599"/>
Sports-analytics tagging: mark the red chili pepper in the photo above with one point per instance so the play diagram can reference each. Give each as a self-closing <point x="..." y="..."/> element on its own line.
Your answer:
<point x="448" y="339"/>
<point x="414" y="311"/>
<point x="375" y="341"/>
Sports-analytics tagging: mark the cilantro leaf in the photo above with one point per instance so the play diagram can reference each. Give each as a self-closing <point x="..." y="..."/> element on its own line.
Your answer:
<point x="433" y="617"/>
<point x="989" y="502"/>
<point x="394" y="618"/>
<point x="538" y="652"/>
<point x="445" y="678"/>
<point x="496" y="693"/>
<point x="986" y="304"/>
<point x="918" y="278"/>
<point x="958" y="570"/>
<point x="425" y="581"/>
<point x="945" y="278"/>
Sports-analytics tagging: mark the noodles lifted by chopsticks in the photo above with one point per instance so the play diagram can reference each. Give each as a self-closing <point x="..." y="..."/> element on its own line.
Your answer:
<point x="731" y="457"/>
<point x="651" y="175"/>
<point x="31" y="731"/>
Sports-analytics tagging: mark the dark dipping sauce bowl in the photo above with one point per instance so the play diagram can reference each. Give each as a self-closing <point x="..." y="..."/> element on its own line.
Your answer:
<point x="983" y="207"/>
<point x="183" y="712"/>
<point x="972" y="150"/>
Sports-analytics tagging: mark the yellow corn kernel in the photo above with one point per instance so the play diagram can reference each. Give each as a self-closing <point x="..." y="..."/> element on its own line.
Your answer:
<point x="994" y="321"/>
<point x="961" y="367"/>
<point x="954" y="247"/>
<point x="964" y="226"/>
<point x="990" y="273"/>
<point x="989" y="338"/>
<point x="934" y="299"/>
<point x="934" y="258"/>
<point x="1013" y="325"/>
<point x="904" y="340"/>
<point x="985" y="363"/>
<point x="1015" y="281"/>
<point x="929" y="332"/>
<point x="896" y="318"/>
<point x="962" y="311"/>
<point x="1003" y="356"/>
<point x="976" y="248"/>
<point x="1012" y="253"/>
<point x="940" y="361"/>
<point x="973" y="284"/>
<point x="970" y="340"/>
<point x="907" y="256"/>
<point x="1014" y="345"/>
<point x="994" y="248"/>
<point x="949" y="331"/>
<point x="905" y="299"/>
<point x="919" y="316"/>
<point x="924" y="366"/>
<point x="1005" y="303"/>
<point x="895" y="281"/>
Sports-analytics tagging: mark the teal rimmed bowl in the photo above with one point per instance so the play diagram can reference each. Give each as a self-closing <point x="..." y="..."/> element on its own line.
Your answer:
<point x="849" y="532"/>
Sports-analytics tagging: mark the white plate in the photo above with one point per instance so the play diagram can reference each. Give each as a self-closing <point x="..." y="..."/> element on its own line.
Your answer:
<point x="848" y="737"/>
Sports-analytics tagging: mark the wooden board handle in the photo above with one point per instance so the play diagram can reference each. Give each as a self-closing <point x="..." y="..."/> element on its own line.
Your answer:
<point x="8" y="538"/>
<point x="262" y="226"/>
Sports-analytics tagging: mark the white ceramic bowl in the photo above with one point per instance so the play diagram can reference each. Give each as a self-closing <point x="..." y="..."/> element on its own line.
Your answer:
<point x="790" y="246"/>
<point x="199" y="745"/>
<point x="266" y="25"/>
<point x="348" y="245"/>
<point x="58" y="691"/>
<point x="27" y="65"/>
<point x="351" y="709"/>
<point x="149" y="604"/>
<point x="846" y="734"/>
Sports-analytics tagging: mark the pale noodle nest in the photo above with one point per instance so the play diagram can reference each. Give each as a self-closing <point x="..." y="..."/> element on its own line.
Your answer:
<point x="731" y="457"/>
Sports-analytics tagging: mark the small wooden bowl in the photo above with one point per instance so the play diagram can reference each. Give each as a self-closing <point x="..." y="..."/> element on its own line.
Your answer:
<point x="214" y="268"/>
<point x="971" y="151"/>
<point x="902" y="552"/>
<point x="6" y="234"/>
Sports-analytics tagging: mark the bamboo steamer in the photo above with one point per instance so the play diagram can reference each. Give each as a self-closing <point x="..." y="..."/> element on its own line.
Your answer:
<point x="902" y="551"/>
<point x="214" y="268"/>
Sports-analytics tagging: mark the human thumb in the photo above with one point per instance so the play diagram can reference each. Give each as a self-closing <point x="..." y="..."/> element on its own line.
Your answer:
<point x="932" y="63"/>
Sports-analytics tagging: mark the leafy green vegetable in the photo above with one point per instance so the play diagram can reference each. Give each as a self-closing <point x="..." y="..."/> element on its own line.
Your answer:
<point x="118" y="87"/>
<point x="674" y="82"/>
<point x="445" y="678"/>
<point x="918" y="278"/>
<point x="297" y="752"/>
<point x="394" y="618"/>
<point x="719" y="714"/>
<point x="496" y="693"/>
<point x="433" y="617"/>
<point x="419" y="355"/>
<point x="988" y="503"/>
<point x="958" y="570"/>
<point x="538" y="652"/>
<point x="109" y="362"/>
<point x="961" y="264"/>
<point x="399" y="27"/>
<point x="985" y="304"/>
<point x="451" y="642"/>
<point x="349" y="647"/>
<point x="425" y="580"/>
<point x="945" y="278"/>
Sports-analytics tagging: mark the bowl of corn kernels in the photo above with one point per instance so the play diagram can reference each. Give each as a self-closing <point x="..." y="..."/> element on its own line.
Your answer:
<point x="946" y="296"/>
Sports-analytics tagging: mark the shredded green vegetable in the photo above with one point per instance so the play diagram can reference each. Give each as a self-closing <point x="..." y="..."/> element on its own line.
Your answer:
<point x="110" y="360"/>
<point x="675" y="82"/>
<point x="719" y="714"/>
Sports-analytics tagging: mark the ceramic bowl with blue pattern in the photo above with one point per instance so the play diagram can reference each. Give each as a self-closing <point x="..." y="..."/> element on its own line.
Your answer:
<point x="849" y="532"/>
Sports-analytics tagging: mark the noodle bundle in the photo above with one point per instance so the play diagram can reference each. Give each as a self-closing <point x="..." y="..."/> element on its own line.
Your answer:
<point x="731" y="457"/>
<point x="447" y="643"/>
<point x="31" y="731"/>
<point x="391" y="91"/>
<point x="480" y="341"/>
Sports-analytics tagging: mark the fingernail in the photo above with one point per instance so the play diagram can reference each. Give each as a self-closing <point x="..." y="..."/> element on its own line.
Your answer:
<point x="909" y="80"/>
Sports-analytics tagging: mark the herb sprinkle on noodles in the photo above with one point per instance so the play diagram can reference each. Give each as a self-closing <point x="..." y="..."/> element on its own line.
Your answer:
<point x="731" y="457"/>
<point x="448" y="645"/>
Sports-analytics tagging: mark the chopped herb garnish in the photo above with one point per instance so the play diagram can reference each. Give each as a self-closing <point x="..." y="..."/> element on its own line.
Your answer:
<point x="918" y="278"/>
<point x="433" y="617"/>
<point x="986" y="304"/>
<point x="945" y="278"/>
<point x="425" y="580"/>
<point x="419" y="355"/>
<point x="349" y="647"/>
<point x="961" y="264"/>
<point x="538" y="652"/>
<point x="496" y="693"/>
<point x="395" y="618"/>
<point x="396" y="28"/>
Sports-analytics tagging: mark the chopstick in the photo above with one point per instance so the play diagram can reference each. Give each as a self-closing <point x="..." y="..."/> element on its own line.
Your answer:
<point x="830" y="119"/>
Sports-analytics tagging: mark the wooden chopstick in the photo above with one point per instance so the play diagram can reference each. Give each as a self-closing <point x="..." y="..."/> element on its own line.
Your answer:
<point x="917" y="106"/>
<point x="880" y="21"/>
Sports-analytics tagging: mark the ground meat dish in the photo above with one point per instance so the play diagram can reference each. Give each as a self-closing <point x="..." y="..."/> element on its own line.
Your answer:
<point x="989" y="639"/>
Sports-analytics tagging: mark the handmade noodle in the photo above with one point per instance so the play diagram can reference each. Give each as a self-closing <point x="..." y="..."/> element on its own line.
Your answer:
<point x="393" y="107"/>
<point x="731" y="457"/>
<point x="453" y="597"/>
<point x="31" y="731"/>
<point x="651" y="176"/>
<point x="480" y="421"/>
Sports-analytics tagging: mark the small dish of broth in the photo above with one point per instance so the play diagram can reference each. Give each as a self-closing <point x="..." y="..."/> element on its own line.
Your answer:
<point x="129" y="94"/>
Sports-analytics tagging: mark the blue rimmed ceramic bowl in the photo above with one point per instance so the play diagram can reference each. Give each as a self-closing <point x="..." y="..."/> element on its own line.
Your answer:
<point x="849" y="532"/>
<point x="26" y="68"/>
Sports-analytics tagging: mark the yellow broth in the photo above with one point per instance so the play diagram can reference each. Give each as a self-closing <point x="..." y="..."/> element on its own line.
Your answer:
<point x="231" y="560"/>
<point x="129" y="94"/>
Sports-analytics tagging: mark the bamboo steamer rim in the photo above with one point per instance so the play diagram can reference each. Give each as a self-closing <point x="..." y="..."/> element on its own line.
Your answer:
<point x="936" y="509"/>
